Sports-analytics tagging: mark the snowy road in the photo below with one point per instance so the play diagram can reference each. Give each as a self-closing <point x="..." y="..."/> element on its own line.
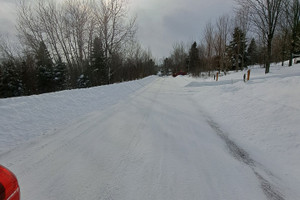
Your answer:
<point x="156" y="144"/>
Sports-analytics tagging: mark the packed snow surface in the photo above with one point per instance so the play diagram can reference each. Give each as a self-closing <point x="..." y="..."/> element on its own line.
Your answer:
<point x="159" y="138"/>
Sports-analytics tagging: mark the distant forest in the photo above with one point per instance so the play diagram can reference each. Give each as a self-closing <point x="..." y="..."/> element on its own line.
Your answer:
<point x="259" y="32"/>
<point x="79" y="44"/>
<point x="72" y="44"/>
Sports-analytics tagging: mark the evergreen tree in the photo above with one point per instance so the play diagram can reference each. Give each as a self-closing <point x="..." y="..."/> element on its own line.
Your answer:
<point x="194" y="60"/>
<point x="83" y="81"/>
<point x="45" y="70"/>
<point x="151" y="68"/>
<point x="166" y="68"/>
<point x="10" y="81"/>
<point x="296" y="42"/>
<point x="60" y="79"/>
<point x="29" y="74"/>
<point x="252" y="57"/>
<point x="99" y="68"/>
<point x="237" y="50"/>
<point x="293" y="16"/>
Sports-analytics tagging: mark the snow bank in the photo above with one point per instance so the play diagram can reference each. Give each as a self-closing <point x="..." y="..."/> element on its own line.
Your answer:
<point x="262" y="115"/>
<point x="25" y="118"/>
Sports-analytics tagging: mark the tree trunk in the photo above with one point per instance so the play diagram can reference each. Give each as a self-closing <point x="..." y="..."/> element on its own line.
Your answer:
<point x="291" y="59"/>
<point x="292" y="51"/>
<point x="269" y="54"/>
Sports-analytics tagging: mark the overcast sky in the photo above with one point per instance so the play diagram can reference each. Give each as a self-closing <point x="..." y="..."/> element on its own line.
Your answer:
<point x="161" y="22"/>
<point x="164" y="22"/>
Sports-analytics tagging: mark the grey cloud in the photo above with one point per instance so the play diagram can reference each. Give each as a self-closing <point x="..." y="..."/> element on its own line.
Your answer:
<point x="7" y="27"/>
<point x="181" y="22"/>
<point x="162" y="23"/>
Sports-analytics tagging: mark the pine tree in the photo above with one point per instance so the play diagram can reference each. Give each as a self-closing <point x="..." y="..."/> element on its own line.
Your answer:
<point x="237" y="49"/>
<point x="166" y="67"/>
<point x="194" y="60"/>
<point x="83" y="81"/>
<point x="10" y="81"/>
<point x="99" y="69"/>
<point x="45" y="70"/>
<point x="252" y="53"/>
<point x="296" y="42"/>
<point x="60" y="79"/>
<point x="29" y="74"/>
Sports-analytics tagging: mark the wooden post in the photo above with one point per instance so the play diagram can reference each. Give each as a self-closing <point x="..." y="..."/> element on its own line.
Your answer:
<point x="217" y="78"/>
<point x="248" y="75"/>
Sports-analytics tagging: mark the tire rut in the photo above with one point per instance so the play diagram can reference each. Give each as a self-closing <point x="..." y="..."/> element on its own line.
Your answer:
<point x="270" y="190"/>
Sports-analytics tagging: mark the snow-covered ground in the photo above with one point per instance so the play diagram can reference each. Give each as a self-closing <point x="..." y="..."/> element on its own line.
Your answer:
<point x="25" y="118"/>
<point x="159" y="138"/>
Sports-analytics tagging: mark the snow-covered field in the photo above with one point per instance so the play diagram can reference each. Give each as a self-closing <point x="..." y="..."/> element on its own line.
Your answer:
<point x="159" y="138"/>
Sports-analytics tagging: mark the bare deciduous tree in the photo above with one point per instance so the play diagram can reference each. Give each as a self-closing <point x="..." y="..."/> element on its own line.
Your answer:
<point x="179" y="56"/>
<point x="63" y="30"/>
<point x="29" y="28"/>
<point x="221" y="40"/>
<point x="6" y="50"/>
<point x="209" y="44"/>
<point x="114" y="26"/>
<point x="69" y="28"/>
<point x="264" y="15"/>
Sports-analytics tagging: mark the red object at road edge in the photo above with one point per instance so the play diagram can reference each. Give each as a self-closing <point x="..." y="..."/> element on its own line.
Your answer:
<point x="179" y="73"/>
<point x="9" y="187"/>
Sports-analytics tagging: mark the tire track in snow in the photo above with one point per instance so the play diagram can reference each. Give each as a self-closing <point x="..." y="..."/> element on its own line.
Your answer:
<point x="270" y="190"/>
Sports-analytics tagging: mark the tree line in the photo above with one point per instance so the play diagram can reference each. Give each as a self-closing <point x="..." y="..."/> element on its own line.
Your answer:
<point x="260" y="32"/>
<point x="72" y="44"/>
